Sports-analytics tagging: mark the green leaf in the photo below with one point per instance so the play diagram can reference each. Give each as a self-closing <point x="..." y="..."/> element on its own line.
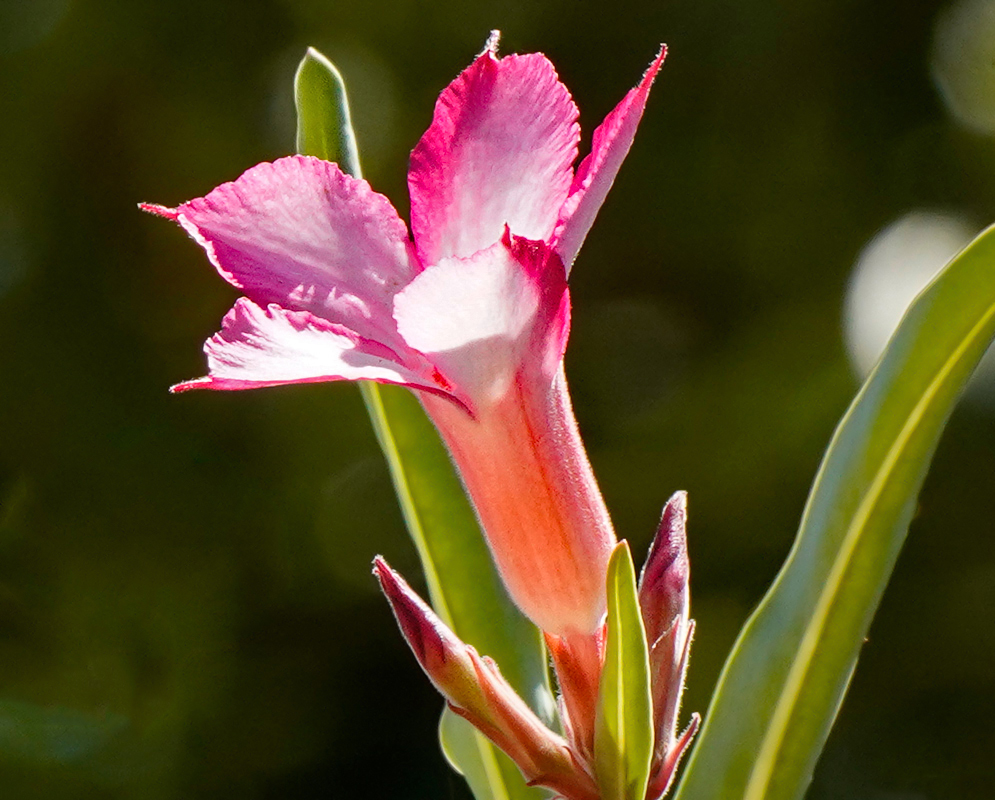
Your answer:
<point x="463" y="583"/>
<point x="623" y="737"/>
<point x="785" y="679"/>
<point x="324" y="125"/>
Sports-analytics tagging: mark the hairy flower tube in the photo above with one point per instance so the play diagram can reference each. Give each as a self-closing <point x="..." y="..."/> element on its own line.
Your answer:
<point x="472" y="312"/>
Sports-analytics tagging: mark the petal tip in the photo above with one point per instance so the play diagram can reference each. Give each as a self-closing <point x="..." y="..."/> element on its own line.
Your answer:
<point x="654" y="66"/>
<point x="186" y="386"/>
<point x="492" y="43"/>
<point x="159" y="211"/>
<point x="670" y="543"/>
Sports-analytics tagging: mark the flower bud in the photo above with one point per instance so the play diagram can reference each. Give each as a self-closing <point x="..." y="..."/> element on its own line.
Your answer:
<point x="664" y="598"/>
<point x="476" y="690"/>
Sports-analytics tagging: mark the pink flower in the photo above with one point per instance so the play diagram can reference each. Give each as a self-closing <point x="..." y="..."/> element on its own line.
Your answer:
<point x="472" y="311"/>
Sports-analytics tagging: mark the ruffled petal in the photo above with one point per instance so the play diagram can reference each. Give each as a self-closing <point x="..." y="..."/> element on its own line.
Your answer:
<point x="499" y="151"/>
<point x="273" y="346"/>
<point x="596" y="173"/>
<point x="482" y="319"/>
<point x="300" y="233"/>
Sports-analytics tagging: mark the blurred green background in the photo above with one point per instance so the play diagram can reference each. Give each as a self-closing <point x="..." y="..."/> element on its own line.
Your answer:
<point x="186" y="609"/>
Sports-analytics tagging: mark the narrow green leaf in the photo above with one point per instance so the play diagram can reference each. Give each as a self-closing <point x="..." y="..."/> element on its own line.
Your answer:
<point x="785" y="679"/>
<point x="623" y="738"/>
<point x="324" y="125"/>
<point x="463" y="583"/>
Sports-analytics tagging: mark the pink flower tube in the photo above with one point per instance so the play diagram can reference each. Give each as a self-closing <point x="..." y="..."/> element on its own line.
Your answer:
<point x="471" y="311"/>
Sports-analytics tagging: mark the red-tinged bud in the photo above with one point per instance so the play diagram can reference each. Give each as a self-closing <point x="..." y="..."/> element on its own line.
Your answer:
<point x="663" y="584"/>
<point x="664" y="598"/>
<point x="439" y="652"/>
<point x="476" y="690"/>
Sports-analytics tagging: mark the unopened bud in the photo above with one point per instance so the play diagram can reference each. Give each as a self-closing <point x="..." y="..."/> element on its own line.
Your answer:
<point x="478" y="692"/>
<point x="664" y="599"/>
<point x="663" y="583"/>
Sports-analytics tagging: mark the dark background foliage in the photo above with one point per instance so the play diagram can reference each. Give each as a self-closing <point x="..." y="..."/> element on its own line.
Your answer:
<point x="186" y="609"/>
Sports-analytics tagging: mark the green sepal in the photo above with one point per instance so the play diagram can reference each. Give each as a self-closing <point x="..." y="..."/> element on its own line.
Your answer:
<point x="623" y="733"/>
<point x="464" y="587"/>
<point x="785" y="679"/>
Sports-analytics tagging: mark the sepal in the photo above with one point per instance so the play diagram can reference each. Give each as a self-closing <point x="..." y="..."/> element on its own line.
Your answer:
<point x="663" y="775"/>
<point x="577" y="660"/>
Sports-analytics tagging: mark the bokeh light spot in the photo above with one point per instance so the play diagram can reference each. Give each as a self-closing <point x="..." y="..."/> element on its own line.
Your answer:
<point x="890" y="271"/>
<point x="963" y="63"/>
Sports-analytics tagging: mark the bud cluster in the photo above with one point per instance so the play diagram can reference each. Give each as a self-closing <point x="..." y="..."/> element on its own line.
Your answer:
<point x="475" y="690"/>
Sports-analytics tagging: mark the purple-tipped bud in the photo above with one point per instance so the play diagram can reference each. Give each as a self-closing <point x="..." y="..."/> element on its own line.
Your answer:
<point x="663" y="583"/>
<point x="476" y="691"/>
<point x="664" y="598"/>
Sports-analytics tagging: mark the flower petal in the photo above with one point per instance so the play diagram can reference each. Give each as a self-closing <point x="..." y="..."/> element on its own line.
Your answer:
<point x="300" y="233"/>
<point x="499" y="151"/>
<point x="480" y="319"/>
<point x="596" y="173"/>
<point x="272" y="346"/>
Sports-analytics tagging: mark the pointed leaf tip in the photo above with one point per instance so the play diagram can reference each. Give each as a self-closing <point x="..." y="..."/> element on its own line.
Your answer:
<point x="663" y="778"/>
<point x="324" y="124"/>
